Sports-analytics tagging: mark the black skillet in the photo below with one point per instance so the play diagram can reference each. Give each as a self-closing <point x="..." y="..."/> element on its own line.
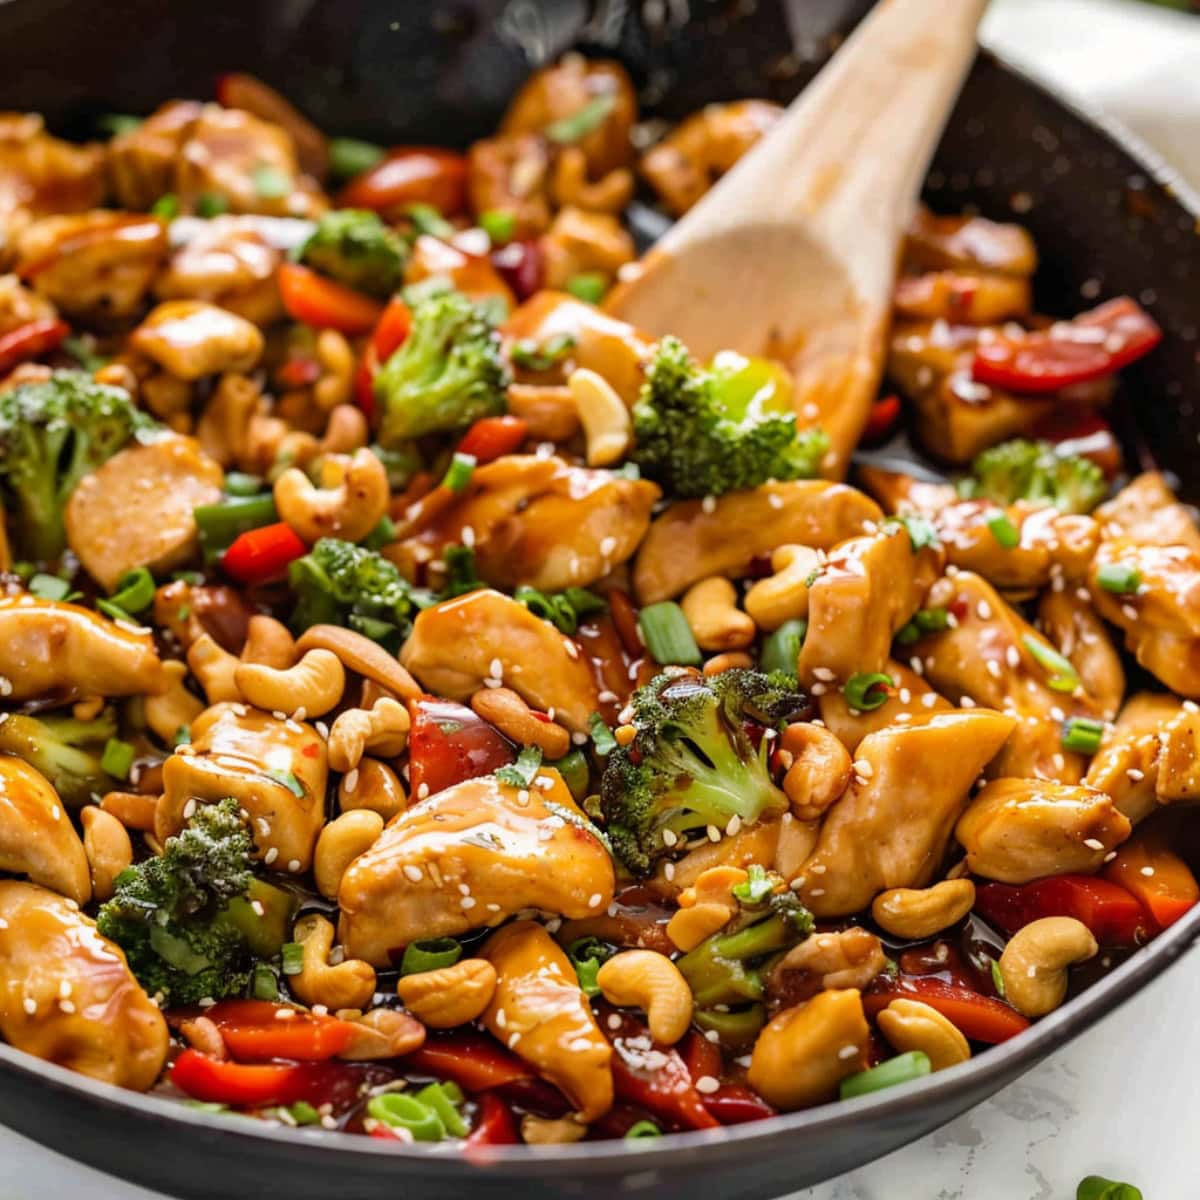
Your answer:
<point x="1108" y="219"/>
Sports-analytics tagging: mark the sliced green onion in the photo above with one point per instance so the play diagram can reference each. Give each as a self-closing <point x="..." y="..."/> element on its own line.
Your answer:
<point x="271" y="183"/>
<point x="521" y="773"/>
<point x="117" y="758"/>
<point x="668" y="636"/>
<point x="1119" y="579"/>
<point x="288" y="779"/>
<point x="407" y="1112"/>
<point x="924" y="620"/>
<point x="349" y="156"/>
<point x="183" y="736"/>
<point x="738" y="1027"/>
<point x="458" y="477"/>
<point x="166" y="207"/>
<point x="588" y="285"/>
<point x="904" y="1068"/>
<point x="238" y="483"/>
<point x="587" y="955"/>
<point x="1082" y="735"/>
<point x="998" y="979"/>
<point x="383" y="533"/>
<point x="303" y="1113"/>
<point x="116" y="124"/>
<point x="211" y="204"/>
<point x="427" y="219"/>
<point x="207" y="1106"/>
<point x="573" y="768"/>
<point x="440" y="1098"/>
<point x="583" y="121"/>
<point x="263" y="984"/>
<point x="83" y="350"/>
<point x="867" y="692"/>
<point x="49" y="587"/>
<point x="602" y="737"/>
<point x="113" y="611"/>
<point x="220" y="524"/>
<point x="921" y="532"/>
<point x="642" y="1129"/>
<point x="430" y="954"/>
<point x="1096" y="1187"/>
<point x="781" y="649"/>
<point x="1004" y="531"/>
<point x="499" y="224"/>
<point x="292" y="955"/>
<point x="135" y="591"/>
<point x="756" y="887"/>
<point x="1062" y="674"/>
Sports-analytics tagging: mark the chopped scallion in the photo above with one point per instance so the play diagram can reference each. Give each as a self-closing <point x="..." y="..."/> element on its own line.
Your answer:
<point x="868" y="691"/>
<point x="350" y="156"/>
<point x="642" y="1129"/>
<point x="1004" y="531"/>
<point x="587" y="955"/>
<point x="135" y="591"/>
<point x="583" y="121"/>
<point x="117" y="758"/>
<point x="238" y="483"/>
<point x="588" y="285"/>
<point x="781" y="649"/>
<point x="166" y="207"/>
<point x="292" y="955"/>
<point x="668" y="636"/>
<point x="499" y="224"/>
<point x="430" y="954"/>
<point x="458" y="477"/>
<point x="49" y="587"/>
<point x="1118" y="578"/>
<point x="441" y="1099"/>
<point x="573" y="768"/>
<point x="427" y="219"/>
<point x="904" y="1068"/>
<point x="756" y="887"/>
<point x="1082" y="735"/>
<point x="263" y="984"/>
<point x="211" y="204"/>
<point x="1062" y="674"/>
<point x="407" y="1112"/>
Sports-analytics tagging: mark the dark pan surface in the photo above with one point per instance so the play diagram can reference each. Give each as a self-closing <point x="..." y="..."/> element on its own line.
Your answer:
<point x="1107" y="220"/>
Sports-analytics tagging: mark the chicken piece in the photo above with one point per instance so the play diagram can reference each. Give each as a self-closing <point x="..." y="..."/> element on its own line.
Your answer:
<point x="20" y="306"/>
<point x="579" y="241"/>
<point x="892" y="825"/>
<point x="136" y="510"/>
<point x="990" y="657"/>
<point x="541" y="1014"/>
<point x="480" y="841"/>
<point x="559" y="92"/>
<point x="1018" y="830"/>
<point x="276" y="770"/>
<point x="962" y="297"/>
<point x="50" y="649"/>
<point x="867" y="590"/>
<point x="902" y="494"/>
<point x="37" y="838"/>
<point x="68" y="996"/>
<point x="601" y="343"/>
<point x="456" y="645"/>
<point x="230" y="264"/>
<point x="511" y="174"/>
<point x="698" y="538"/>
<point x="1161" y="618"/>
<point x="472" y="274"/>
<point x="693" y="156"/>
<point x="141" y="163"/>
<point x="536" y="522"/>
<point x="97" y="265"/>
<point x="961" y="242"/>
<point x="1145" y="510"/>
<point x="190" y="339"/>
<point x="911" y="697"/>
<point x="1072" y="625"/>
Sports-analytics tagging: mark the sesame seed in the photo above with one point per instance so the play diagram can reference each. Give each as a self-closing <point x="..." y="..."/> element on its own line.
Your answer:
<point x="669" y="872"/>
<point x="1093" y="843"/>
<point x="496" y="669"/>
<point x="711" y="1035"/>
<point x="818" y="868"/>
<point x="818" y="689"/>
<point x="30" y="1004"/>
<point x="670" y="837"/>
<point x="993" y="668"/>
<point x="966" y="702"/>
<point x="1147" y="871"/>
<point x="847" y="1052"/>
<point x="824" y="673"/>
<point x="570" y="647"/>
<point x="983" y="610"/>
<point x="279" y="714"/>
<point x="1135" y="774"/>
<point x="284" y="1014"/>
<point x="817" y="892"/>
<point x="257" y="906"/>
<point x="468" y="902"/>
<point x="1191" y="706"/>
<point x="708" y="504"/>
<point x="578" y="739"/>
<point x="1110" y="856"/>
<point x="607" y="546"/>
<point x="706" y="1085"/>
<point x="293" y="865"/>
<point x="467" y="535"/>
<point x="774" y="501"/>
<point x="413" y="872"/>
<point x="322" y="729"/>
<point x="270" y="856"/>
<point x="864" y="768"/>
<point x="734" y="826"/>
<point x="422" y="791"/>
<point x="929" y="699"/>
<point x="350" y="781"/>
<point x="614" y="1022"/>
<point x="714" y="834"/>
<point x="595" y="900"/>
<point x="300" y="713"/>
<point x="189" y="810"/>
<point x="66" y="1006"/>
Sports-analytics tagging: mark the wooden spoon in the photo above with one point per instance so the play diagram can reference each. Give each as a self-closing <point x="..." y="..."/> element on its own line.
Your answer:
<point x="793" y="254"/>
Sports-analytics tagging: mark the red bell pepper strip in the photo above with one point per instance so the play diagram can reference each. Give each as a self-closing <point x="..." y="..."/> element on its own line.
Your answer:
<point x="700" y="1056"/>
<point x="1083" y="432"/>
<point x="522" y="266"/>
<point x="364" y="382"/>
<point x="1112" y="913"/>
<point x="410" y="175"/>
<point x="884" y="414"/>
<point x="1162" y="882"/>
<point x="491" y="438"/>
<point x="253" y="1031"/>
<point x="386" y="339"/>
<point x="1095" y="344"/>
<point x="260" y="555"/>
<point x="732" y="1104"/>
<point x="216" y="1082"/>
<point x="31" y="341"/>
<point x="495" y="1127"/>
<point x="314" y="300"/>
<point x="449" y="743"/>
<point x="476" y="1062"/>
<point x="980" y="1018"/>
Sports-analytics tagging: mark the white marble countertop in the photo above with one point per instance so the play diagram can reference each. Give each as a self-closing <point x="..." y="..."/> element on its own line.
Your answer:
<point x="1119" y="1101"/>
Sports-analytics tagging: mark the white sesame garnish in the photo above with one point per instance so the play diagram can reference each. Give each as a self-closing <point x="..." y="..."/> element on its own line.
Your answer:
<point x="669" y="872"/>
<point x="847" y="1052"/>
<point x="422" y="791"/>
<point x="570" y="647"/>
<point x="706" y="1085"/>
<point x="595" y="900"/>
<point x="293" y="865"/>
<point x="708" y="504"/>
<point x="322" y="729"/>
<point x="413" y="872"/>
<point x="1093" y="843"/>
<point x="29" y="1005"/>
<point x="864" y="768"/>
<point x="824" y="673"/>
<point x="270" y="856"/>
<point x="284" y="1014"/>
<point x="1135" y="774"/>
<point x="467" y="535"/>
<point x="966" y="702"/>
<point x="734" y="826"/>
<point x="189" y="810"/>
<point x="350" y="781"/>
<point x="468" y="902"/>
<point x="670" y="837"/>
<point x="714" y="834"/>
<point x="1147" y="871"/>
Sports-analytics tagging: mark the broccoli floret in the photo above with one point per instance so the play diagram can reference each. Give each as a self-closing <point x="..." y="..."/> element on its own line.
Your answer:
<point x="52" y="434"/>
<point x="1035" y="471"/>
<point x="66" y="751"/>
<point x="447" y="373"/>
<point x="727" y="971"/>
<point x="356" y="248"/>
<point x="706" y="432"/>
<point x="339" y="583"/>
<point x="170" y="913"/>
<point x="692" y="763"/>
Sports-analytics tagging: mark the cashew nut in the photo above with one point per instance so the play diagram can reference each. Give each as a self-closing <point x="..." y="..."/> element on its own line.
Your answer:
<point x="551" y="1131"/>
<point x="819" y="769"/>
<point x="607" y="427"/>
<point x="784" y="595"/>
<point x="174" y="708"/>
<point x="921" y="912"/>
<point x="202" y="1034"/>
<point x="268" y="642"/>
<point x="803" y="1053"/>
<point x="349" y="984"/>
<point x="362" y="656"/>
<point x="314" y="685"/>
<point x="346" y="430"/>
<point x="383" y="729"/>
<point x="1035" y="961"/>
<point x="733" y="661"/>
<point x="132" y="809"/>
<point x="340" y="843"/>
<point x="348" y="509"/>
<point x="571" y="186"/>
<point x="911" y="1025"/>
<point x="712" y="612"/>
<point x="652" y="982"/>
<point x="215" y="668"/>
<point x="382" y="1033"/>
<point x="514" y="718"/>
<point x="108" y="848"/>
<point x="449" y="996"/>
<point x="373" y="787"/>
<point x="688" y="927"/>
<point x="337" y="378"/>
<point x="849" y="958"/>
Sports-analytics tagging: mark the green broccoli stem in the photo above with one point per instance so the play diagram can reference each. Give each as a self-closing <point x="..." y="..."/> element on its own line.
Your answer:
<point x="736" y="1028"/>
<point x="716" y="970"/>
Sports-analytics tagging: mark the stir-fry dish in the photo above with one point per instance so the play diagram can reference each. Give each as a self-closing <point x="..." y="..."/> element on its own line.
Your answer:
<point x="437" y="710"/>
